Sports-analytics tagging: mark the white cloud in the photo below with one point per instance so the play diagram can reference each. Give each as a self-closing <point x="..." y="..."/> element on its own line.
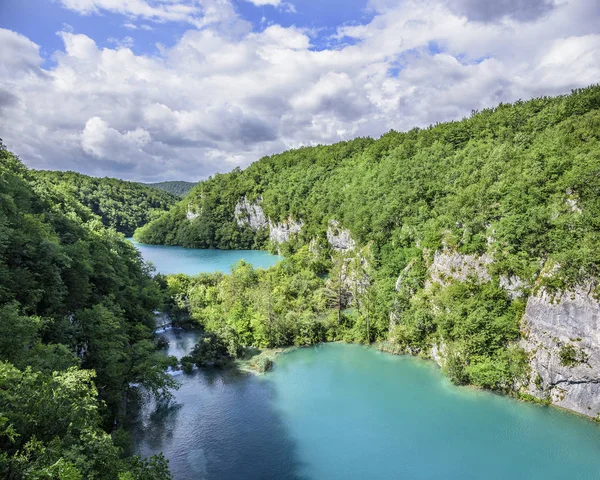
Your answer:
<point x="125" y="42"/>
<point x="223" y="95"/>
<point x="280" y="4"/>
<point x="133" y="26"/>
<point x="101" y="141"/>
<point x="195" y="12"/>
<point x="262" y="3"/>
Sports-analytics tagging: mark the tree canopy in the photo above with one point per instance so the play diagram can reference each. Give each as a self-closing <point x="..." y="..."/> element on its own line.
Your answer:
<point x="517" y="183"/>
<point x="76" y="324"/>
<point x="122" y="205"/>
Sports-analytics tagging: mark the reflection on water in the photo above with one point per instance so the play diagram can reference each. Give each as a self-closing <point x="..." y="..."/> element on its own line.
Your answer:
<point x="221" y="425"/>
<point x="339" y="411"/>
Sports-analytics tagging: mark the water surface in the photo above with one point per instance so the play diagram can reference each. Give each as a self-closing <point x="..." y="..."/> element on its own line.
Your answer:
<point x="347" y="412"/>
<point x="192" y="261"/>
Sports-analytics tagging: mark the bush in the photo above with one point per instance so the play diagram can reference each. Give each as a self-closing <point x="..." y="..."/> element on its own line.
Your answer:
<point x="210" y="351"/>
<point x="264" y="364"/>
<point x="570" y="356"/>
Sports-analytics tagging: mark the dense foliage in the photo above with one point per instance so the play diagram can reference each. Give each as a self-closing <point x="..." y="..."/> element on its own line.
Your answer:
<point x="122" y="205"/>
<point x="178" y="188"/>
<point x="287" y="304"/>
<point x="516" y="182"/>
<point x="518" y="173"/>
<point x="76" y="323"/>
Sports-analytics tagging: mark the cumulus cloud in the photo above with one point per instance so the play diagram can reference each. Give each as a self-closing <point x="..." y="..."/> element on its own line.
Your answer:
<point x="222" y="97"/>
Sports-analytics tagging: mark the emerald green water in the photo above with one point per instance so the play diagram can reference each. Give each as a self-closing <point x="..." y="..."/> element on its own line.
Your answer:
<point x="340" y="411"/>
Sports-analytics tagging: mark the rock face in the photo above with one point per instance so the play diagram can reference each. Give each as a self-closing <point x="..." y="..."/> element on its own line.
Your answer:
<point x="562" y="336"/>
<point x="513" y="285"/>
<point x="451" y="265"/>
<point x="339" y="238"/>
<point x="284" y="231"/>
<point x="190" y="214"/>
<point x="251" y="214"/>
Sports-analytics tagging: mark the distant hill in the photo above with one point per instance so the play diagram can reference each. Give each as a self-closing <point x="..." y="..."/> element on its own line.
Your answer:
<point x="179" y="188"/>
<point x="122" y="205"/>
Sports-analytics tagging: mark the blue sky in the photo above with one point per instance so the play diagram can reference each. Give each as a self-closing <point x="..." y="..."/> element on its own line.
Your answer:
<point x="180" y="89"/>
<point x="40" y="20"/>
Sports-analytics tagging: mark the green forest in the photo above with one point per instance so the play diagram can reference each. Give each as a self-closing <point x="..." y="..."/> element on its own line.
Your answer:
<point x="518" y="182"/>
<point x="76" y="303"/>
<point x="178" y="188"/>
<point x="122" y="205"/>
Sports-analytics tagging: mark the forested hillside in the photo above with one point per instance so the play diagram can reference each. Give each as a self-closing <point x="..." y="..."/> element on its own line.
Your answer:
<point x="76" y="324"/>
<point x="177" y="188"/>
<point x="432" y="239"/>
<point x="514" y="172"/>
<point x="122" y="205"/>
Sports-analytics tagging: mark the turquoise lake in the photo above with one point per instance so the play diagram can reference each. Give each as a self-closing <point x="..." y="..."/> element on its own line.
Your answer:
<point x="191" y="261"/>
<point x="340" y="411"/>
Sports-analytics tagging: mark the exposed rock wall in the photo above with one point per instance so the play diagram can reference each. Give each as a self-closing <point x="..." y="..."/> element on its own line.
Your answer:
<point x="449" y="265"/>
<point x="513" y="285"/>
<point x="339" y="238"/>
<point x="284" y="231"/>
<point x="561" y="333"/>
<point x="562" y="336"/>
<point x="251" y="214"/>
<point x="190" y="214"/>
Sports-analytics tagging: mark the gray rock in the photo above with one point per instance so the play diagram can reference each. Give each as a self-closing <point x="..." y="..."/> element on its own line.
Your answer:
<point x="513" y="285"/>
<point x="550" y="324"/>
<point x="339" y="238"/>
<point x="450" y="265"/>
<point x="437" y="354"/>
<point x="403" y="274"/>
<point x="190" y="214"/>
<point x="284" y="231"/>
<point x="250" y="214"/>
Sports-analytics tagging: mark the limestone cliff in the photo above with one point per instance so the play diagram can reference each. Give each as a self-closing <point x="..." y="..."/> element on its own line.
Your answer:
<point x="562" y="336"/>
<point x="253" y="215"/>
<point x="191" y="214"/>
<point x="284" y="231"/>
<point x="449" y="265"/>
<point x="339" y="238"/>
<point x="560" y="333"/>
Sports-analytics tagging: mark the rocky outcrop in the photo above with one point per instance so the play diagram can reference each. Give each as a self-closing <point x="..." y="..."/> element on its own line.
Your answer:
<point x="436" y="353"/>
<point x="403" y="274"/>
<point x="560" y="333"/>
<point x="449" y="265"/>
<point x="284" y="231"/>
<point x="191" y="214"/>
<point x="513" y="285"/>
<point x="562" y="336"/>
<point x="250" y="214"/>
<point x="339" y="238"/>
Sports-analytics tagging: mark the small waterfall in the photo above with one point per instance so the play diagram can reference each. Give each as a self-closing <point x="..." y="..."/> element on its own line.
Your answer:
<point x="163" y="322"/>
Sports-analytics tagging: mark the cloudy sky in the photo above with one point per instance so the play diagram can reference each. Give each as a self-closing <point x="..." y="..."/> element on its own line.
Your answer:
<point x="154" y="90"/>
